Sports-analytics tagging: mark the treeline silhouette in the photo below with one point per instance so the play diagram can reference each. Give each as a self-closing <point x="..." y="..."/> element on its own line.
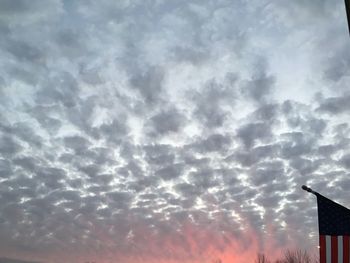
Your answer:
<point x="289" y="256"/>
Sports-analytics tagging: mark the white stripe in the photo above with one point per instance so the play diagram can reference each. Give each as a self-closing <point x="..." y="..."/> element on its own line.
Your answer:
<point x="340" y="249"/>
<point x="328" y="249"/>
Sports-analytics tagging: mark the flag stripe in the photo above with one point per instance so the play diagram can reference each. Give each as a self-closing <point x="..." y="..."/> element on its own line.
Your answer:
<point x="346" y="249"/>
<point x="328" y="249"/>
<point x="322" y="249"/>
<point x="334" y="248"/>
<point x="340" y="249"/>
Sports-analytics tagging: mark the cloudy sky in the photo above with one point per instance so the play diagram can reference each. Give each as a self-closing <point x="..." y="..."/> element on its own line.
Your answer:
<point x="170" y="130"/>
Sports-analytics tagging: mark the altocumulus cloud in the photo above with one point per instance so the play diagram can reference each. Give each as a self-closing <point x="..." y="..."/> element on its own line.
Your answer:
<point x="169" y="131"/>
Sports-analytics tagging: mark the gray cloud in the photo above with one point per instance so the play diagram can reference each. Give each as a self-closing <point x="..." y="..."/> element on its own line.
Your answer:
<point x="166" y="121"/>
<point x="345" y="161"/>
<point x="149" y="84"/>
<point x="297" y="144"/>
<point x="252" y="132"/>
<point x="211" y="100"/>
<point x="9" y="260"/>
<point x="335" y="105"/>
<point x="24" y="51"/>
<point x="214" y="143"/>
<point x="170" y="172"/>
<point x="77" y="143"/>
<point x="338" y="65"/>
<point x="256" y="154"/>
<point x="9" y="146"/>
<point x="267" y="172"/>
<point x="5" y="168"/>
<point x="261" y="84"/>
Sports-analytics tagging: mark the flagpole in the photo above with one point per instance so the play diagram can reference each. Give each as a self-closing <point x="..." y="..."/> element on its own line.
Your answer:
<point x="347" y="7"/>
<point x="308" y="189"/>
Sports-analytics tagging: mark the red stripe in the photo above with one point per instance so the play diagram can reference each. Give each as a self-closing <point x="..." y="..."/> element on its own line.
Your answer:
<point x="322" y="249"/>
<point x="346" y="256"/>
<point x="334" y="249"/>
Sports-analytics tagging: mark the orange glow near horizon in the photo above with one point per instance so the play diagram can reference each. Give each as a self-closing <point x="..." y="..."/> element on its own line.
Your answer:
<point x="192" y="244"/>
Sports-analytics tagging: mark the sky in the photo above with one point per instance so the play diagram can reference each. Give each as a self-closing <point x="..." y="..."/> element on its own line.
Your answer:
<point x="170" y="130"/>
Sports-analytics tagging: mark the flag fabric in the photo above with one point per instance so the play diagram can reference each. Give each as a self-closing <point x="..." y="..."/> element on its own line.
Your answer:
<point x="334" y="229"/>
<point x="347" y="7"/>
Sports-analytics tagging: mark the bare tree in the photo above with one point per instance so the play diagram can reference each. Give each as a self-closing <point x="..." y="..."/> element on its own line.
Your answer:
<point x="290" y="256"/>
<point x="261" y="258"/>
<point x="297" y="256"/>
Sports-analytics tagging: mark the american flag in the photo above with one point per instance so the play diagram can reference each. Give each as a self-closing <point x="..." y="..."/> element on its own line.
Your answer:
<point x="334" y="229"/>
